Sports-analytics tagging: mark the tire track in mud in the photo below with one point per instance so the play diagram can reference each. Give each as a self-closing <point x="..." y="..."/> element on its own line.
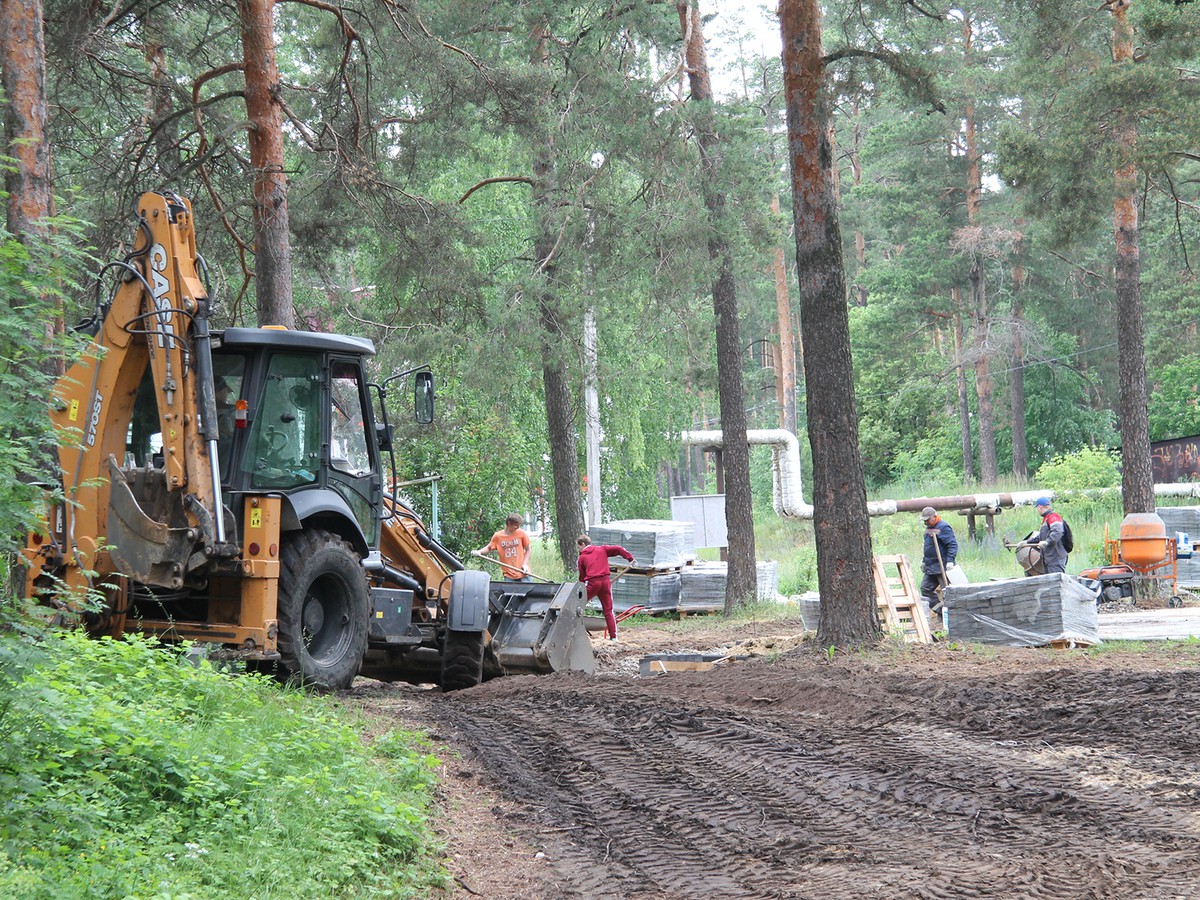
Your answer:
<point x="657" y="795"/>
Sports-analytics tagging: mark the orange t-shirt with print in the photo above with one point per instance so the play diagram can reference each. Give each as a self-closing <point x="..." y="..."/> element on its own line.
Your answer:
<point x="513" y="550"/>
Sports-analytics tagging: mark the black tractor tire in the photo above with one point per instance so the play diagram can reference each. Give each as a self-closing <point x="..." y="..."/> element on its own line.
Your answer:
<point x="324" y="611"/>
<point x="462" y="659"/>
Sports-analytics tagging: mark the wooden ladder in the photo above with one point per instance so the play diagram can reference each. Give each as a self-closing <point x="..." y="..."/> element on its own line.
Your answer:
<point x="898" y="601"/>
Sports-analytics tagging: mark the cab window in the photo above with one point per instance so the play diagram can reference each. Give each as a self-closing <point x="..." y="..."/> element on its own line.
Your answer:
<point x="285" y="439"/>
<point x="348" y="449"/>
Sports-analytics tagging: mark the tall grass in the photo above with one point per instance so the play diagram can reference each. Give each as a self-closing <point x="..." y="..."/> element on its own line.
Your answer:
<point x="127" y="772"/>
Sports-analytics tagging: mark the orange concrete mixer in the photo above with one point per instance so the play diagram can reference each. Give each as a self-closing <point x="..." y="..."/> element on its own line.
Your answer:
<point x="1143" y="543"/>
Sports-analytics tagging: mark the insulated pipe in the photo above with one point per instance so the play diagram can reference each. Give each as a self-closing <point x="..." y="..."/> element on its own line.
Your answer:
<point x="789" y="501"/>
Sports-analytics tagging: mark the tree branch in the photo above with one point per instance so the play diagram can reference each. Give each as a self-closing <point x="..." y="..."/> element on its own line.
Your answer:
<point x="525" y="179"/>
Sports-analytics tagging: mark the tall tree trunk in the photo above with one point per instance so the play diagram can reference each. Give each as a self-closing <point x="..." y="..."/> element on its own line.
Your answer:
<point x="964" y="403"/>
<point x="739" y="515"/>
<point x="560" y="411"/>
<point x="24" y="63"/>
<point x="785" y="371"/>
<point x="30" y="198"/>
<point x="272" y="242"/>
<point x="860" y="241"/>
<point x="988" y="468"/>
<point x="1137" y="475"/>
<point x="1020" y="449"/>
<point x="843" y="533"/>
<point x="159" y="106"/>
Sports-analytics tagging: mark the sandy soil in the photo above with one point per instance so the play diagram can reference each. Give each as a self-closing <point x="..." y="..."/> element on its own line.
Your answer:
<point x="907" y="772"/>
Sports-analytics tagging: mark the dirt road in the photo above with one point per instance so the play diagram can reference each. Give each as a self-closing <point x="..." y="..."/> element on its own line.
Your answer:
<point x="906" y="773"/>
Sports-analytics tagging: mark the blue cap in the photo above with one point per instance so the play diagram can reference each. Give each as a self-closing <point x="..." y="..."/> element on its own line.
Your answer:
<point x="1042" y="501"/>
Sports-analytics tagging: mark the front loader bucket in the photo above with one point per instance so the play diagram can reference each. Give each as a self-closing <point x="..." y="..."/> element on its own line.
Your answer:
<point x="538" y="628"/>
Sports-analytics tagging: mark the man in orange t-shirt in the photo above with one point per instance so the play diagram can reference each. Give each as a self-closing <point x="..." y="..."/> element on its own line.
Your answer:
<point x="512" y="546"/>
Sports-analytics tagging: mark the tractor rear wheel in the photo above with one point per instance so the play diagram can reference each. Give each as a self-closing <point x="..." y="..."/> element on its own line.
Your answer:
<point x="462" y="659"/>
<point x="324" y="611"/>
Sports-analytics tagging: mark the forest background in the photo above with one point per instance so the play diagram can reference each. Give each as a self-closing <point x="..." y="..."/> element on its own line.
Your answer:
<point x="469" y="184"/>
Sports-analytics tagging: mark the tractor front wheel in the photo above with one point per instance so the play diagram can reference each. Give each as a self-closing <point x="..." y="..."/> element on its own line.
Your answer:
<point x="324" y="611"/>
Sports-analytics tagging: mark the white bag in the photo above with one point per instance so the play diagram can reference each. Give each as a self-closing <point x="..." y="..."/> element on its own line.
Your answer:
<point x="956" y="576"/>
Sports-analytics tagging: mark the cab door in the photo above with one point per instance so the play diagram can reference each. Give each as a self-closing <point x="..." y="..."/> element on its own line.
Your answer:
<point x="354" y="470"/>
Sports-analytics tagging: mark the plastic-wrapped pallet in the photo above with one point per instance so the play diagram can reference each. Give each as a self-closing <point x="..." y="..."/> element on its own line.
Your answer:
<point x="655" y="592"/>
<point x="1023" y="612"/>
<point x="654" y="543"/>
<point x="810" y="610"/>
<point x="767" y="580"/>
<point x="703" y="584"/>
<point x="1185" y="519"/>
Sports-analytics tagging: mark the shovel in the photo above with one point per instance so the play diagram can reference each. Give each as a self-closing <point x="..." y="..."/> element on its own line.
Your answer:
<point x="497" y="562"/>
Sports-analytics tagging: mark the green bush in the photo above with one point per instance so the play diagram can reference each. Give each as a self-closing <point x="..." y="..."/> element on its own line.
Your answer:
<point x="1079" y="471"/>
<point x="127" y="772"/>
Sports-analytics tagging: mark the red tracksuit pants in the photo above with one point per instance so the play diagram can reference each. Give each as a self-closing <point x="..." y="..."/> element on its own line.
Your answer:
<point x="601" y="589"/>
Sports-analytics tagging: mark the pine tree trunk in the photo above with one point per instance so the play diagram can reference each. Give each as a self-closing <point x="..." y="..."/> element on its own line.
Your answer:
<point x="964" y="404"/>
<point x="272" y="241"/>
<point x="159" y="106"/>
<point x="1020" y="449"/>
<point x="739" y="515"/>
<point x="843" y="535"/>
<point x="785" y="375"/>
<point x="1137" y="474"/>
<point x="569" y="520"/>
<point x="988" y="469"/>
<point x="30" y="198"/>
<point x="24" y="64"/>
<point x="860" y="240"/>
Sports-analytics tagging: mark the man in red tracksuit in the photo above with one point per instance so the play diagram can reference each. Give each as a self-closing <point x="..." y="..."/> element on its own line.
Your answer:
<point x="593" y="572"/>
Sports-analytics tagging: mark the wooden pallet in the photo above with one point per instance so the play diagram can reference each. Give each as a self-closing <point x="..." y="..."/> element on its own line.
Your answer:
<point x="898" y="601"/>
<point x="616" y="571"/>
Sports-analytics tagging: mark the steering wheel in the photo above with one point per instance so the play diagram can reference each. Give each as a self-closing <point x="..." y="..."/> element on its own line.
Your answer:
<point x="276" y="441"/>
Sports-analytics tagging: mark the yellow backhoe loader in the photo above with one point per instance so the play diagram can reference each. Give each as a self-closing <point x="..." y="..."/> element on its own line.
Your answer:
<point x="227" y="487"/>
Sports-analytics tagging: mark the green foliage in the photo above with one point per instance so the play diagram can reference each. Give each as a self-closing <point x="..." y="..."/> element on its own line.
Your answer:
<point x="127" y="772"/>
<point x="35" y="276"/>
<point x="1082" y="470"/>
<point x="1175" y="401"/>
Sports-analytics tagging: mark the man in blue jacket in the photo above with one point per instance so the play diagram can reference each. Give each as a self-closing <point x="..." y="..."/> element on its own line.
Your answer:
<point x="940" y="549"/>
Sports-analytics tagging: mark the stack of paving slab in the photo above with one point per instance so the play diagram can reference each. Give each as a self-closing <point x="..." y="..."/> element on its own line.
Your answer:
<point x="810" y="610"/>
<point x="703" y="585"/>
<point x="660" y="548"/>
<point x="1023" y="612"/>
<point x="658" y="592"/>
<point x="654" y="543"/>
<point x="1184" y="519"/>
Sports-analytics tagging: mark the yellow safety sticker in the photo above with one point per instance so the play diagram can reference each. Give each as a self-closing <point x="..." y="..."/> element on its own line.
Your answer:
<point x="74" y="413"/>
<point x="256" y="518"/>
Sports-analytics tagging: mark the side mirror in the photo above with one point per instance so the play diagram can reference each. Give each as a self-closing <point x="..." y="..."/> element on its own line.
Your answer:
<point x="383" y="436"/>
<point x="423" y="397"/>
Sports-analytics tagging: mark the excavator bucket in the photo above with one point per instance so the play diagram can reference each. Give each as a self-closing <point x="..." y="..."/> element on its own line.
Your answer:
<point x="538" y="628"/>
<point x="145" y="549"/>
